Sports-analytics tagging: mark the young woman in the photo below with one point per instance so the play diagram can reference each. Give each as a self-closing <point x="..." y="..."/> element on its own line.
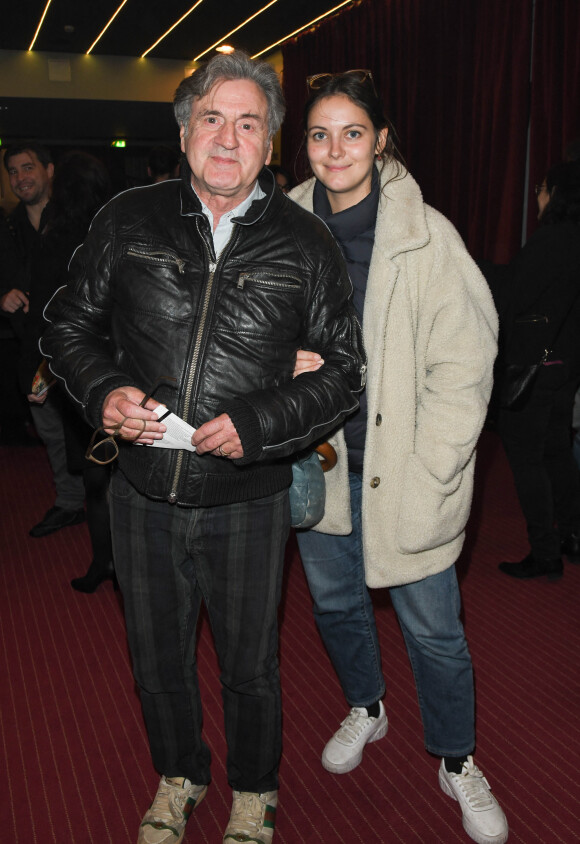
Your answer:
<point x="399" y="497"/>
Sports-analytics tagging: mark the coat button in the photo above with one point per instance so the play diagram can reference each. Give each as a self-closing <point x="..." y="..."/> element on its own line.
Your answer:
<point x="375" y="482"/>
<point x="379" y="419"/>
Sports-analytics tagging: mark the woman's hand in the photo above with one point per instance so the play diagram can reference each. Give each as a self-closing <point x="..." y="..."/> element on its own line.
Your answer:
<point x="306" y="362"/>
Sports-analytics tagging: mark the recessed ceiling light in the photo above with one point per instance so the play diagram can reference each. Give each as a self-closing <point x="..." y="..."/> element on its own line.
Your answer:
<point x="225" y="48"/>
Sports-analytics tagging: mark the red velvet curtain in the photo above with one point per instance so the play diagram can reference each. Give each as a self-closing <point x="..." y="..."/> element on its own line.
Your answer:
<point x="555" y="106"/>
<point x="454" y="77"/>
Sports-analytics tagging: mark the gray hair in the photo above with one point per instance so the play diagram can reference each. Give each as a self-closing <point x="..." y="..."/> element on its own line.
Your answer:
<point x="224" y="68"/>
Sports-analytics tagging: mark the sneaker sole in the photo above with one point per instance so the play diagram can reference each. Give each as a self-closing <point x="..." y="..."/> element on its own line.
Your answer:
<point x="479" y="837"/>
<point x="354" y="762"/>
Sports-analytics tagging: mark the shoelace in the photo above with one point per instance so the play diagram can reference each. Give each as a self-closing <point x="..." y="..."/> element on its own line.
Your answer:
<point x="474" y="786"/>
<point x="247" y="810"/>
<point x="353" y="725"/>
<point x="166" y="797"/>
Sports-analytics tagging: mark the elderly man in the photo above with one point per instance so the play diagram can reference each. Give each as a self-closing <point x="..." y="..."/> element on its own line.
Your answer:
<point x="201" y="291"/>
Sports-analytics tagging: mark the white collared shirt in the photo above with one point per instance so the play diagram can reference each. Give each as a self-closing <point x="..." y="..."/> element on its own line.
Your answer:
<point x="225" y="226"/>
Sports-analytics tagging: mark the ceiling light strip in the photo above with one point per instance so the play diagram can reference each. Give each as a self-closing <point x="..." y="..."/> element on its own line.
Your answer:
<point x="96" y="41"/>
<point x="171" y="28"/>
<point x="39" y="25"/>
<point x="306" y="25"/>
<point x="223" y="38"/>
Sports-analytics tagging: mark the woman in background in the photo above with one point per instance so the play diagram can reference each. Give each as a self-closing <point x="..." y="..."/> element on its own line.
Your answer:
<point x="399" y="497"/>
<point x="538" y="300"/>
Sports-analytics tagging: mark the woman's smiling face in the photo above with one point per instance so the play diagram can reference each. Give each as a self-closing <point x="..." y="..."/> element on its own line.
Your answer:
<point x="342" y="145"/>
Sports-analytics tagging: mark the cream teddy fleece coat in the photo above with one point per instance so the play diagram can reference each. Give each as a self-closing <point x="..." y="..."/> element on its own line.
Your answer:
<point x="430" y="331"/>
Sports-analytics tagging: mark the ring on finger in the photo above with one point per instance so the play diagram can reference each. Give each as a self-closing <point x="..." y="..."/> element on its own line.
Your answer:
<point x="223" y="453"/>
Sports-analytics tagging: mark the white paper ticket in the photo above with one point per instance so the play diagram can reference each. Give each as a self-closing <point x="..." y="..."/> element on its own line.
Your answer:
<point x="178" y="433"/>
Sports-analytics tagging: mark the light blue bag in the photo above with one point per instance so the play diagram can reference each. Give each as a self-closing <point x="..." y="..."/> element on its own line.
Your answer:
<point x="307" y="492"/>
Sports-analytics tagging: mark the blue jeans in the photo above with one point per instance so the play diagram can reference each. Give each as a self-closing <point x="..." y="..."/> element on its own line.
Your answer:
<point x="428" y="613"/>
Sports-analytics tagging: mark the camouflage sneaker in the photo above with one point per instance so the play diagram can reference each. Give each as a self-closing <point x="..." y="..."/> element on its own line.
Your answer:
<point x="253" y="817"/>
<point x="164" y="822"/>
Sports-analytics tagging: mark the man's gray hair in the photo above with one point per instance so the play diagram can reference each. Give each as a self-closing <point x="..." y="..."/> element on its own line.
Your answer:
<point x="224" y="68"/>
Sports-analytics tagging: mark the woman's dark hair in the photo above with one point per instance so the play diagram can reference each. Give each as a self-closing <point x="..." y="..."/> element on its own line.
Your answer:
<point x="563" y="183"/>
<point x="363" y="94"/>
<point x="80" y="186"/>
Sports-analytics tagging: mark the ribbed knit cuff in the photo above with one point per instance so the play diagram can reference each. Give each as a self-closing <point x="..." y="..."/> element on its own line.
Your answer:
<point x="96" y="400"/>
<point x="247" y="424"/>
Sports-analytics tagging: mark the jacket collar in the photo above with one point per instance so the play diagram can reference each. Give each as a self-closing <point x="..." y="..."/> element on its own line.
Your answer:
<point x="352" y="222"/>
<point x="401" y="224"/>
<point x="190" y="204"/>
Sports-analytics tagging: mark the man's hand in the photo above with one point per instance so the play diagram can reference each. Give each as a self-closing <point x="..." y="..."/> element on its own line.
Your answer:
<point x="13" y="301"/>
<point x="34" y="399"/>
<point x="123" y="415"/>
<point x="220" y="437"/>
<point x="306" y="362"/>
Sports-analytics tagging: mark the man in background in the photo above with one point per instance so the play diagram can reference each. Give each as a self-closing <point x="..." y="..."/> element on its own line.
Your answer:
<point x="30" y="171"/>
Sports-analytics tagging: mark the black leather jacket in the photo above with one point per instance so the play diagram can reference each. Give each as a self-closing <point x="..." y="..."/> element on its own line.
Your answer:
<point x="146" y="298"/>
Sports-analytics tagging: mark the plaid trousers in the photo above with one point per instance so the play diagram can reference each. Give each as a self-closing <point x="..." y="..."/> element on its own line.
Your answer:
<point x="168" y="559"/>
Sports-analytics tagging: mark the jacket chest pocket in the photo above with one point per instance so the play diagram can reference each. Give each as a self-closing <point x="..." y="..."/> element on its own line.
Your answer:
<point x="269" y="281"/>
<point x="265" y="304"/>
<point x="155" y="257"/>
<point x="154" y="281"/>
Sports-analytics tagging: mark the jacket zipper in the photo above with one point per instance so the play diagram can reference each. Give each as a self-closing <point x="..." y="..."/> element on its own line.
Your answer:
<point x="262" y="282"/>
<point x="172" y="497"/>
<point x="159" y="258"/>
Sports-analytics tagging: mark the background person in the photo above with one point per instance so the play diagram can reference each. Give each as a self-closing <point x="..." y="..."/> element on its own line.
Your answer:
<point x="214" y="281"/>
<point x="282" y="176"/>
<point x="538" y="299"/>
<point x="80" y="187"/>
<point x="399" y="497"/>
<point x="30" y="171"/>
<point x="15" y="419"/>
<point x="162" y="164"/>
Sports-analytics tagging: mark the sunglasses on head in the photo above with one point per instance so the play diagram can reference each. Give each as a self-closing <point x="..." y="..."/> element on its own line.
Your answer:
<point x="315" y="82"/>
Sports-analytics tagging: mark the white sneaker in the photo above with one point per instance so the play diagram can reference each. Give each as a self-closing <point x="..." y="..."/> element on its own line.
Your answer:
<point x="345" y="749"/>
<point x="164" y="822"/>
<point x="253" y="817"/>
<point x="483" y="817"/>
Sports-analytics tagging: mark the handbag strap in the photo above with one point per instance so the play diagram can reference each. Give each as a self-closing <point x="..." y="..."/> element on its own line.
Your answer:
<point x="548" y="351"/>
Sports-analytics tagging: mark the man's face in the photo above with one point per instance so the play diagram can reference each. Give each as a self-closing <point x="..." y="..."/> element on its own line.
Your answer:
<point x="227" y="141"/>
<point x="29" y="179"/>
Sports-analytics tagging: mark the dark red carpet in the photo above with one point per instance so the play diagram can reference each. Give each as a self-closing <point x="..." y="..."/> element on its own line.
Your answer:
<point x="76" y="764"/>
